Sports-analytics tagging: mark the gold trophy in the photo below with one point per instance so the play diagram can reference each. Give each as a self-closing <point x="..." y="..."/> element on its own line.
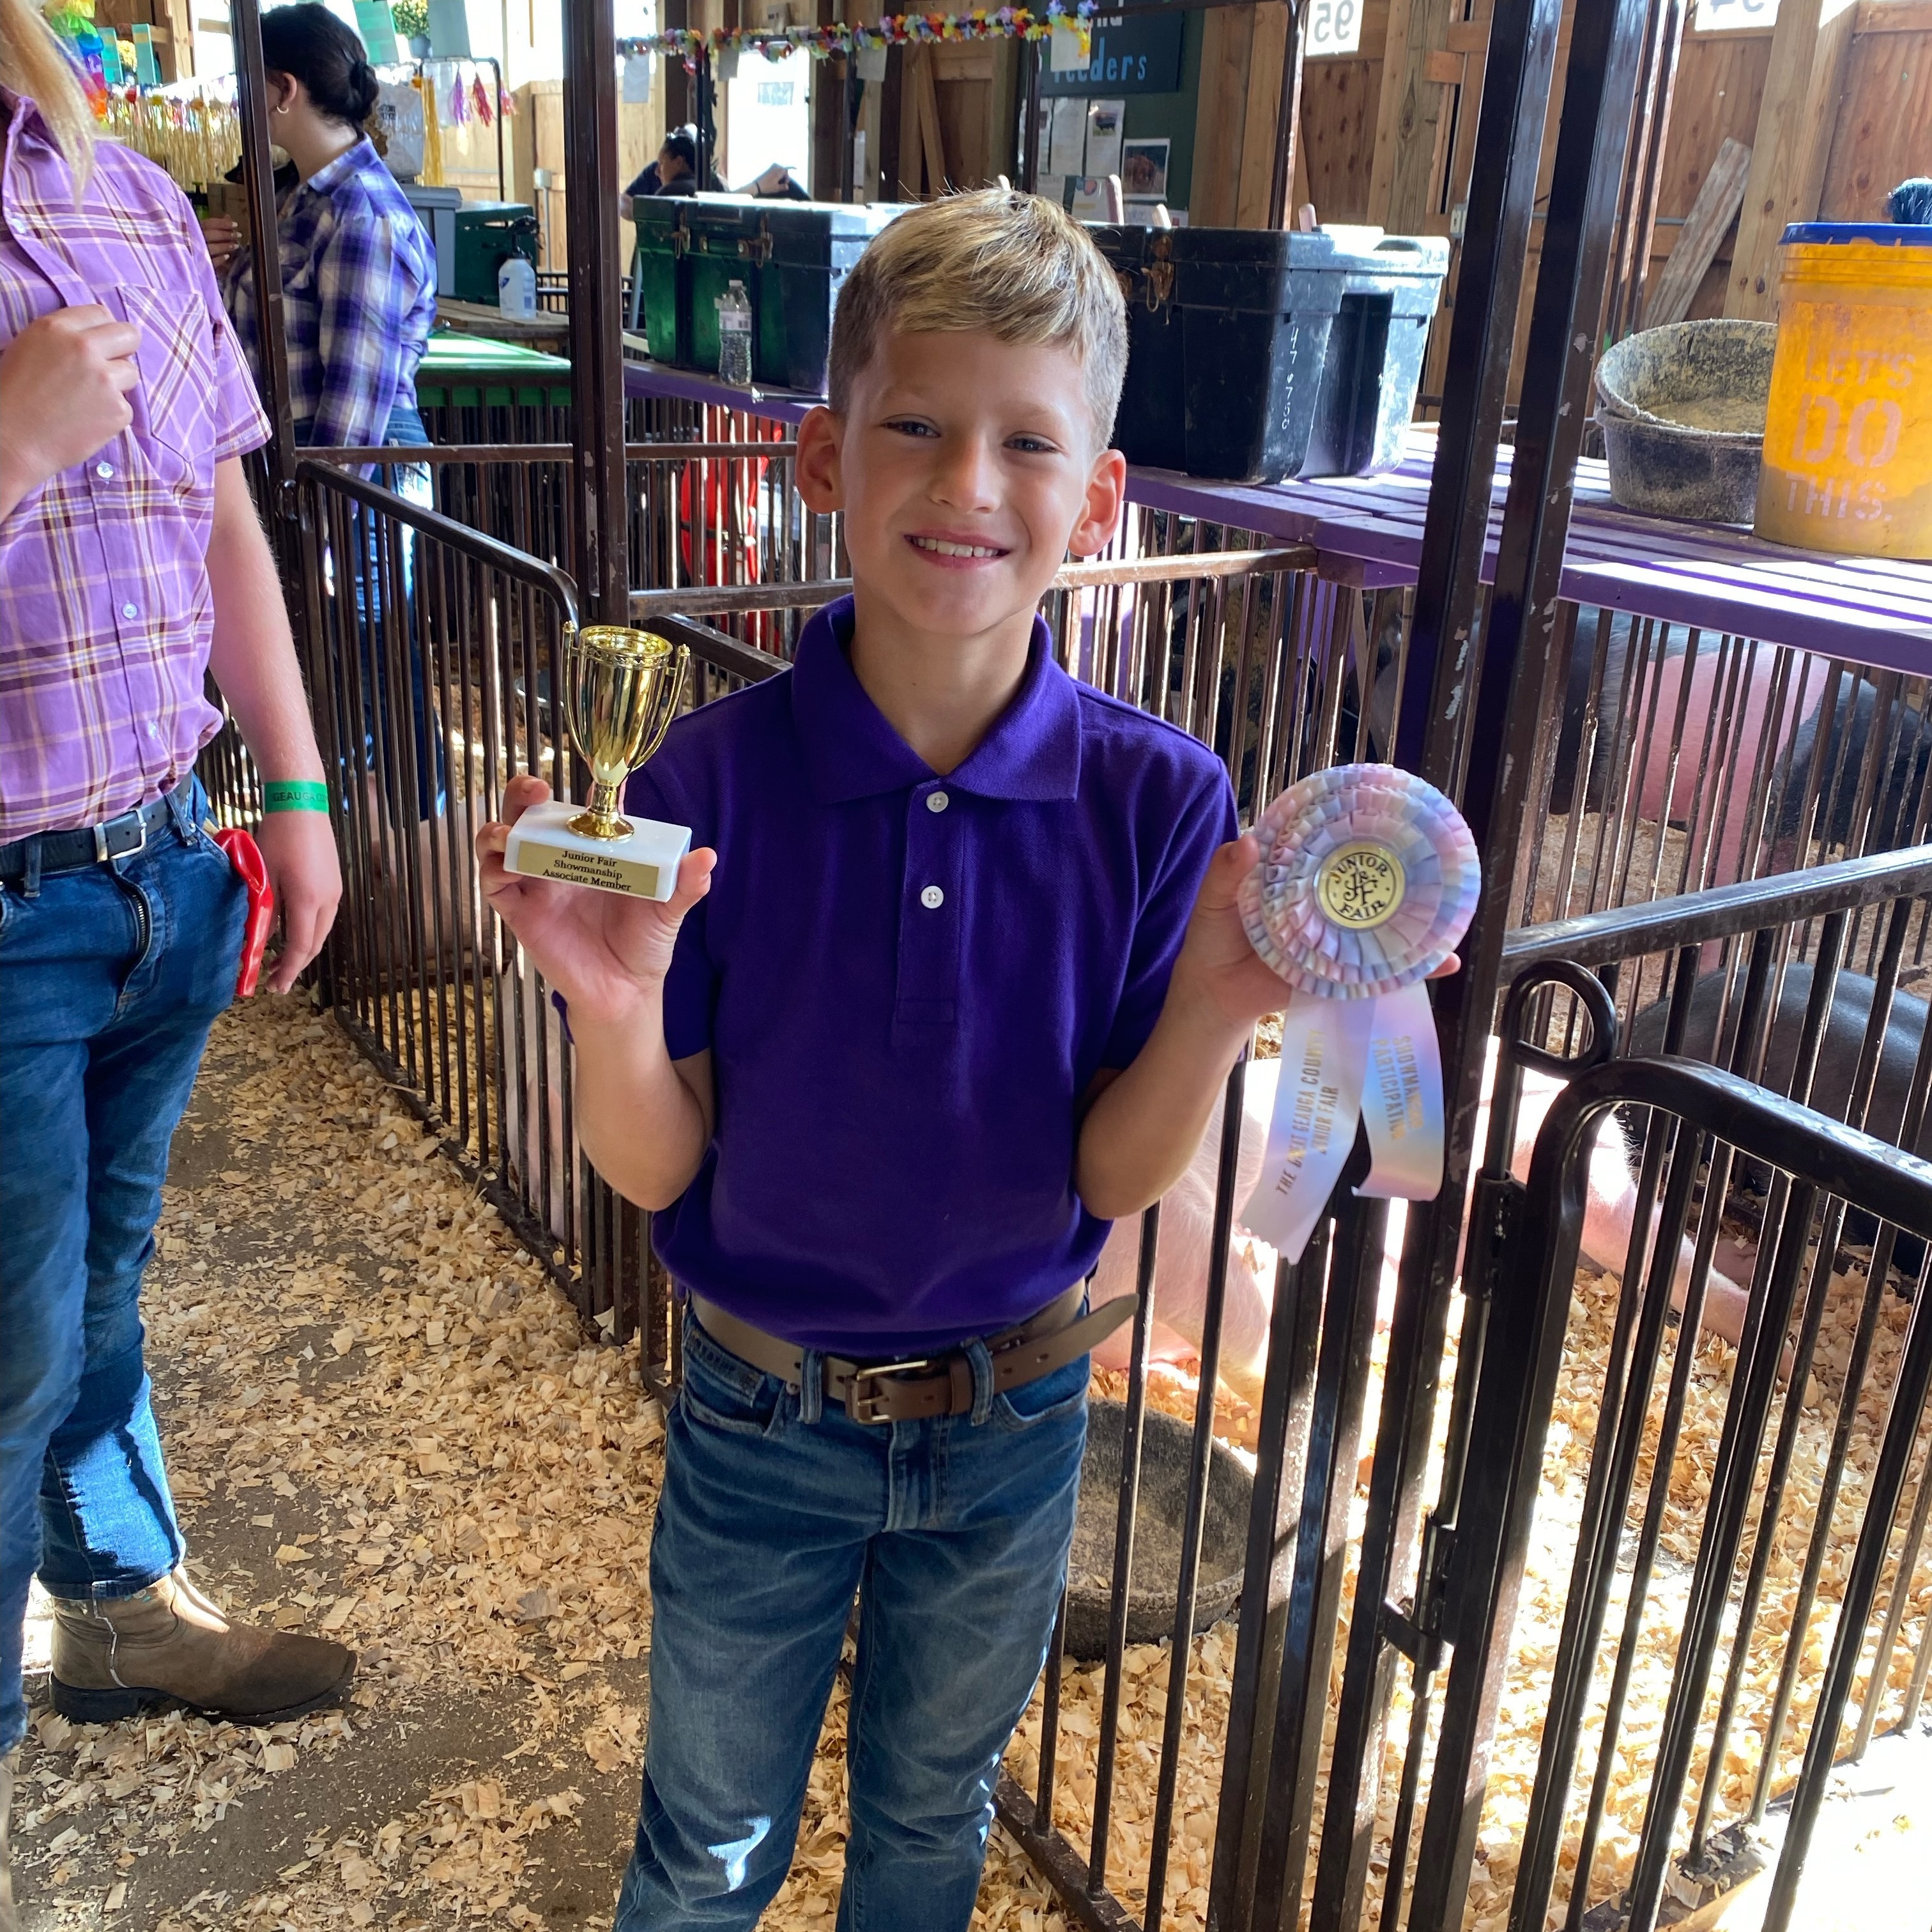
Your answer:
<point x="621" y="691"/>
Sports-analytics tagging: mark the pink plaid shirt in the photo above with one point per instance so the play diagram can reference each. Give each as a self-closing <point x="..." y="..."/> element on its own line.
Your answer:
<point x="105" y="613"/>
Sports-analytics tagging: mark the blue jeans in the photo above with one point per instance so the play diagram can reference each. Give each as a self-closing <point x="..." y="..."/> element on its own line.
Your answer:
<point x="777" y="1510"/>
<point x="109" y="979"/>
<point x="404" y="429"/>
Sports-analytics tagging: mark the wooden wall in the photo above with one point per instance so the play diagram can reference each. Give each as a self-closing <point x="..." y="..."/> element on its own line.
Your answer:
<point x="1416" y="78"/>
<point x="535" y="132"/>
<point x="1884" y="130"/>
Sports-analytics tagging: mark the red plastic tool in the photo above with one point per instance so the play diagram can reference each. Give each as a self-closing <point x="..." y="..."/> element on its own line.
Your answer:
<point x="245" y="855"/>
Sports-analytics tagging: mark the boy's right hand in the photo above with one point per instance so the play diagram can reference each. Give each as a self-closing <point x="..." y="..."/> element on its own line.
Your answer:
<point x="604" y="952"/>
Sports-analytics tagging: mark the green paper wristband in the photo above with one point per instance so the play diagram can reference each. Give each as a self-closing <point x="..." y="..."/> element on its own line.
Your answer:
<point x="294" y="795"/>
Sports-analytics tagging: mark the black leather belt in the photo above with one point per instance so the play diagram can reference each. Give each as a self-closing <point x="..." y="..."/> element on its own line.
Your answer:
<point x="92" y="845"/>
<point x="926" y="1386"/>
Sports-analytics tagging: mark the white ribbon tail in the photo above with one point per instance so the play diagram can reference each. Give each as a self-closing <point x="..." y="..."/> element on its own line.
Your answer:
<point x="1402" y="1098"/>
<point x="1323" y="1051"/>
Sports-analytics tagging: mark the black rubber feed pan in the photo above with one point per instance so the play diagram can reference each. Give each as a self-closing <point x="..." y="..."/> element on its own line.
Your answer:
<point x="1164" y="1444"/>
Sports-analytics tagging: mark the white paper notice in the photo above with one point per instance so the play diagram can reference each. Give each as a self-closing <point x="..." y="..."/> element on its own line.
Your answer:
<point x="1104" y="121"/>
<point x="636" y="89"/>
<point x="1066" y="152"/>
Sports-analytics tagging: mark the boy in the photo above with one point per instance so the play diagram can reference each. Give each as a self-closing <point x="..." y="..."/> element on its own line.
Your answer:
<point x="963" y="989"/>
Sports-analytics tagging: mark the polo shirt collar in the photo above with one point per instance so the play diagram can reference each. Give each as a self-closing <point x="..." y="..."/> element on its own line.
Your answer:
<point x="852" y="752"/>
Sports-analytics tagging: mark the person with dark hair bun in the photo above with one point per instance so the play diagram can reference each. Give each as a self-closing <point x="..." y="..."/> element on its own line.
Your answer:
<point x="359" y="273"/>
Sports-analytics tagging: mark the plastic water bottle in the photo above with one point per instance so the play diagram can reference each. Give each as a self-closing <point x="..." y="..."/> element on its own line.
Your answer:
<point x="517" y="287"/>
<point x="734" y="336"/>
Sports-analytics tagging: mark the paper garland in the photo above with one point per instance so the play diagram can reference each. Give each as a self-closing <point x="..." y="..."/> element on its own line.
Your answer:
<point x="776" y="43"/>
<point x="1368" y="878"/>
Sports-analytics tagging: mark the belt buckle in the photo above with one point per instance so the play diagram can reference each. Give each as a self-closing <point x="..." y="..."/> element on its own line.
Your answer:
<point x="861" y="1403"/>
<point x="102" y="855"/>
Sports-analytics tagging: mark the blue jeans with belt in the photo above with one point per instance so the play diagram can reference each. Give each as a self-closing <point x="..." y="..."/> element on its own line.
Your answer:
<point x="110" y="977"/>
<point x="777" y="1510"/>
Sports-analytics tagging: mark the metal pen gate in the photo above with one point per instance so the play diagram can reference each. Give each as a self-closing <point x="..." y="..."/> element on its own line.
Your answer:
<point x="1708" y="1115"/>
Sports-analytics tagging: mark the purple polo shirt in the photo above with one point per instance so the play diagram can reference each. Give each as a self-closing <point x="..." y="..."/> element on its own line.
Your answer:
<point x="908" y="983"/>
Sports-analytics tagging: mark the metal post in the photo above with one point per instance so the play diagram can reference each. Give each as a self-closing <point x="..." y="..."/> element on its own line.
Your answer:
<point x="601" y="560"/>
<point x="1510" y="699"/>
<point x="258" y="179"/>
<point x="706" y="92"/>
<point x="1436" y="692"/>
<point x="1030" y="125"/>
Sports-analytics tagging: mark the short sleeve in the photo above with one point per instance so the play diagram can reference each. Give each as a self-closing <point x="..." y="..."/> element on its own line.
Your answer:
<point x="691" y="986"/>
<point x="239" y="422"/>
<point x="1206" y="824"/>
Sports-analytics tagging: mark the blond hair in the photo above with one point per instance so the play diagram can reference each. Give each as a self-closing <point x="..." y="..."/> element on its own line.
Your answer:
<point x="1009" y="264"/>
<point x="33" y="63"/>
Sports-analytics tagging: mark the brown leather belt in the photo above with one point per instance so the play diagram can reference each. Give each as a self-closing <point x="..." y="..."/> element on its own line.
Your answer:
<point x="928" y="1385"/>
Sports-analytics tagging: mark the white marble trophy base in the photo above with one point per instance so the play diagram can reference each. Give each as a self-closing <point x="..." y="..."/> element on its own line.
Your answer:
<point x="643" y="864"/>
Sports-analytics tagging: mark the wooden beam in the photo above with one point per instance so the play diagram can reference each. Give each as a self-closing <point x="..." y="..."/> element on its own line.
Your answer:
<point x="1794" y="124"/>
<point x="1266" y="51"/>
<point x="1719" y="197"/>
<point x="1003" y="113"/>
<point x="1893" y="17"/>
<point x="1220" y="118"/>
<point x="1408" y="120"/>
<point x="927" y="100"/>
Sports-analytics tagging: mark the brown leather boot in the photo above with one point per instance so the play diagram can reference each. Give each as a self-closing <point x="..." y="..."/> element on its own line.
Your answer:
<point x="169" y="1644"/>
<point x="8" y="1765"/>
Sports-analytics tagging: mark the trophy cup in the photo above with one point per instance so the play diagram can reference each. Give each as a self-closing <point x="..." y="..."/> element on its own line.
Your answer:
<point x="621" y="689"/>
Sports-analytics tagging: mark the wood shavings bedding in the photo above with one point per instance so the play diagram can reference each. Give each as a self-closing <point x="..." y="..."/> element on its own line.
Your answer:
<point x="359" y="1365"/>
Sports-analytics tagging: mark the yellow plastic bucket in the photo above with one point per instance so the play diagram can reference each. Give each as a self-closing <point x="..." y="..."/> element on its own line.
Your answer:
<point x="1848" y="435"/>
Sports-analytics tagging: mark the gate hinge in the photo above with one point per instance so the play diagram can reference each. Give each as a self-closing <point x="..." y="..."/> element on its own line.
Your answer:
<point x="1431" y="1584"/>
<point x="1418" y="1632"/>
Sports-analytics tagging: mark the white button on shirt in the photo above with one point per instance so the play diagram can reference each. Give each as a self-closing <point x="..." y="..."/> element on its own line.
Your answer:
<point x="104" y="470"/>
<point x="936" y="801"/>
<point x="932" y="898"/>
<point x="131" y="610"/>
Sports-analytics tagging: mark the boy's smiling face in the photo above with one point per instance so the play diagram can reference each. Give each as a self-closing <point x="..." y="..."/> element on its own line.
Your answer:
<point x="966" y="468"/>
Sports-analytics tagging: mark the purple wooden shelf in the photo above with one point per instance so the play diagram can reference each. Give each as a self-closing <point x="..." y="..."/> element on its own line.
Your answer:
<point x="690" y="385"/>
<point x="1868" y="610"/>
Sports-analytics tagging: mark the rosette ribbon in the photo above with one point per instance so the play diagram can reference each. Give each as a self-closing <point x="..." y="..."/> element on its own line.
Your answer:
<point x="1368" y="878"/>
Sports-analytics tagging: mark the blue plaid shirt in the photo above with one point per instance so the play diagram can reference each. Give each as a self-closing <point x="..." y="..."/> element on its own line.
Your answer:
<point x="359" y="295"/>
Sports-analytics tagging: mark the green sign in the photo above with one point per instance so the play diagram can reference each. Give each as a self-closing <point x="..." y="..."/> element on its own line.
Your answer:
<point x="377" y="29"/>
<point x="1137" y="55"/>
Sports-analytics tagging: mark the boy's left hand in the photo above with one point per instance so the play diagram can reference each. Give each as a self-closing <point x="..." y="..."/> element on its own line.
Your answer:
<point x="1217" y="963"/>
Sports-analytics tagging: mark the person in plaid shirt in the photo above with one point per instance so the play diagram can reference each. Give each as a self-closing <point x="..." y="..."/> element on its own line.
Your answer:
<point x="131" y="563"/>
<point x="359" y="274"/>
<point x="359" y="295"/>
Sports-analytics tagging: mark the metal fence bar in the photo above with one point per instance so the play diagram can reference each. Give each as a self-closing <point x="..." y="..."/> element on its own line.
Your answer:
<point x="1521" y="1359"/>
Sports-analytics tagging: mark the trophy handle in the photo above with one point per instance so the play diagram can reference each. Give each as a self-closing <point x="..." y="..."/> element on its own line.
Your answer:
<point x="674" y="691"/>
<point x="565" y="697"/>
